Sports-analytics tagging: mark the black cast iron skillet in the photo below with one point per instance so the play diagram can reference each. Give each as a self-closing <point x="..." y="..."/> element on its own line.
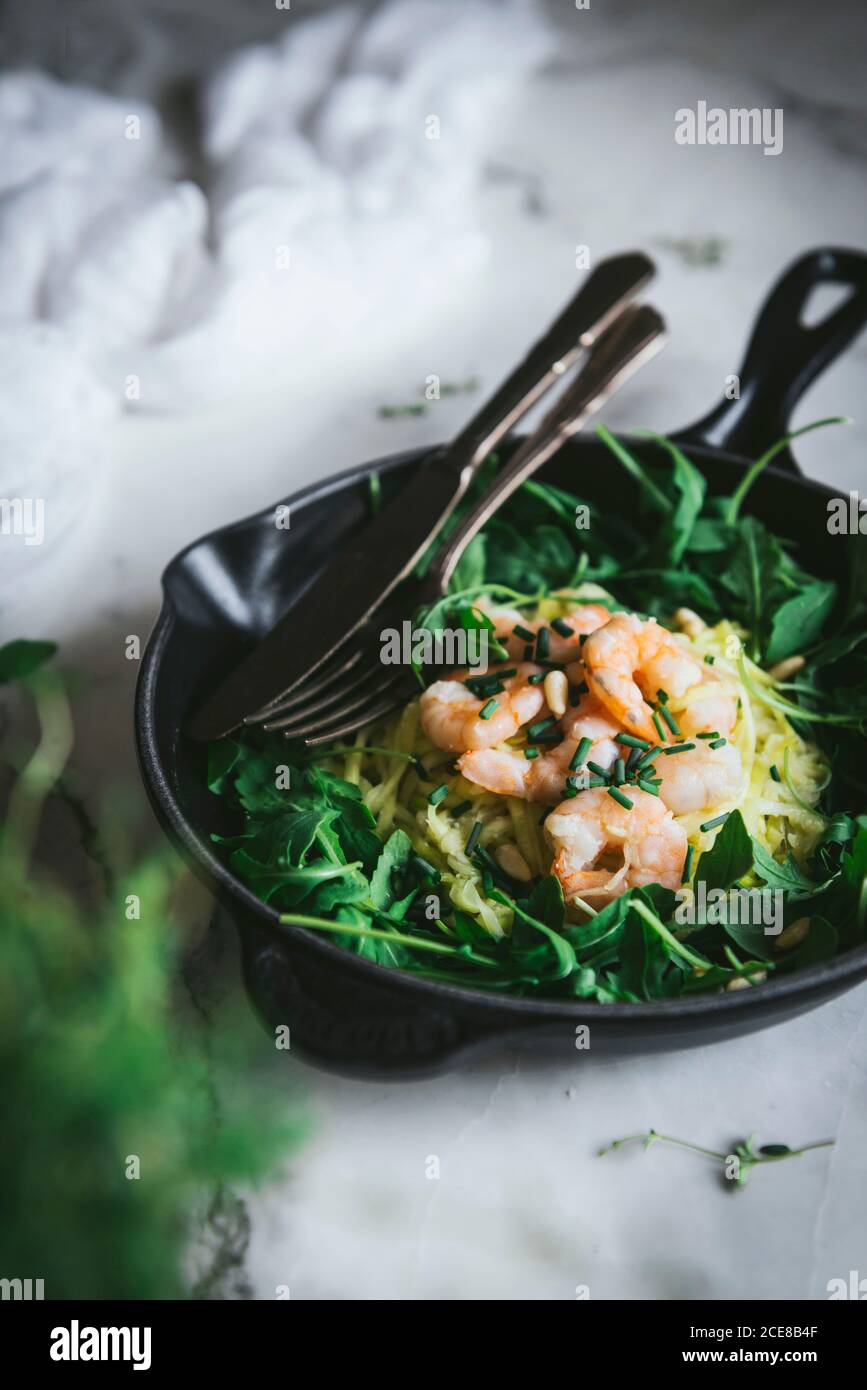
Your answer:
<point x="226" y="590"/>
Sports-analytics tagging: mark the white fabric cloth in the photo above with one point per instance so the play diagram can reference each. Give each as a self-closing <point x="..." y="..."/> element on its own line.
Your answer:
<point x="123" y="287"/>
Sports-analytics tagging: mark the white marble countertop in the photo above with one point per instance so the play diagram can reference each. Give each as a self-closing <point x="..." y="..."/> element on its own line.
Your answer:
<point x="523" y="1207"/>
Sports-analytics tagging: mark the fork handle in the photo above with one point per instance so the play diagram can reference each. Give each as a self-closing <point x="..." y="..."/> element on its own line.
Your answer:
<point x="633" y="338"/>
<point x="602" y="296"/>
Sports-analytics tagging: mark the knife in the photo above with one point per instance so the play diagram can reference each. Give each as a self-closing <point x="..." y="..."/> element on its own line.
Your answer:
<point x="374" y="560"/>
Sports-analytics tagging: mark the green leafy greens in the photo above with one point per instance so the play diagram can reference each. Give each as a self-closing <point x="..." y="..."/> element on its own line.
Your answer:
<point x="312" y="851"/>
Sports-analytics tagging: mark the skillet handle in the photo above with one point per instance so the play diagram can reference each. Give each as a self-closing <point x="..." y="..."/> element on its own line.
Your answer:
<point x="784" y="357"/>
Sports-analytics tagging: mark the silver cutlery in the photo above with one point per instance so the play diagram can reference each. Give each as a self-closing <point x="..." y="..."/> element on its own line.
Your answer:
<point x="357" y="689"/>
<point x="370" y="564"/>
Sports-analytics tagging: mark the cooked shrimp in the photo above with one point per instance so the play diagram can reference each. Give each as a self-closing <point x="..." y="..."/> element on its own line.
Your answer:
<point x="709" y="706"/>
<point x="628" y="660"/>
<point x="451" y="713"/>
<point x="699" y="779"/>
<point x="601" y="848"/>
<point x="544" y="778"/>
<point x="587" y="618"/>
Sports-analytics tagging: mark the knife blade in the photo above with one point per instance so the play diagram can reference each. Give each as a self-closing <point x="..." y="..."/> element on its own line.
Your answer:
<point x="373" y="561"/>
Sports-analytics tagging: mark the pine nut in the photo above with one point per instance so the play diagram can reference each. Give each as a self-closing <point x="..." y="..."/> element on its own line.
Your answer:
<point x="784" y="669"/>
<point x="512" y="862"/>
<point x="689" y="622"/>
<point x="792" y="935"/>
<point x="556" y="689"/>
<point x="743" y="982"/>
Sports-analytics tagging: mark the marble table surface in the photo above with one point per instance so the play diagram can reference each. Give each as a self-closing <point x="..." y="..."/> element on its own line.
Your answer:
<point x="522" y="1207"/>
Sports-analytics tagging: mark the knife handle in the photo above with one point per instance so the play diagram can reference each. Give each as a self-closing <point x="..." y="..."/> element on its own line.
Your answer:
<point x="631" y="340"/>
<point x="602" y="296"/>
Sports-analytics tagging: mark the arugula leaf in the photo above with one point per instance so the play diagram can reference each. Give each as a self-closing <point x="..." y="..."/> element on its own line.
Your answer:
<point x="752" y="938"/>
<point x="753" y="575"/>
<point x="730" y="856"/>
<point x="223" y="754"/>
<point x="787" y="876"/>
<point x="797" y="623"/>
<point x="395" y="855"/>
<point x="374" y="948"/>
<point x="820" y="943"/>
<point x="689" y="487"/>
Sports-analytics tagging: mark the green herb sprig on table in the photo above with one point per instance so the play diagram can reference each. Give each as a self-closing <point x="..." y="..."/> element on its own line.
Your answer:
<point x="737" y="1164"/>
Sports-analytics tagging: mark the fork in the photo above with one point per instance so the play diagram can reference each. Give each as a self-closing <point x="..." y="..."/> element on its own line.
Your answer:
<point x="634" y="337"/>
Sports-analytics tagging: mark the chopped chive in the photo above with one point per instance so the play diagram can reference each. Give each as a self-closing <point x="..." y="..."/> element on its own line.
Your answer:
<point x="540" y="726"/>
<point x="550" y="736"/>
<point x="473" y="839"/>
<point x="620" y="798"/>
<point x="483" y="689"/>
<point x="487" y="711"/>
<point x="597" y="781"/>
<point x="670" y="720"/>
<point x="460" y="808"/>
<point x="709" y="660"/>
<point x="572" y="782"/>
<point x="531" y="753"/>
<point x="438" y="795"/>
<point x="560" y="625"/>
<point x="715" y="734"/>
<point x="775" y="773"/>
<point x="662" y="697"/>
<point x="524" y="633"/>
<point x="536" y="678"/>
<point x="657" y="722"/>
<point x="717" y="820"/>
<point x="718" y="743"/>
<point x="426" y="868"/>
<point x="505" y="675"/>
<point x="648" y="786"/>
<point x="619" y="771"/>
<point x="543" y="643"/>
<point x="600" y="771"/>
<point x="487" y="883"/>
<point x="580" y="753"/>
<point x="631" y="741"/>
<point x="678" y="748"/>
<point x="647" y="758"/>
<point x="632" y="760"/>
<point x="528" y="653"/>
<point x="687" y="864"/>
<point x="569" y="792"/>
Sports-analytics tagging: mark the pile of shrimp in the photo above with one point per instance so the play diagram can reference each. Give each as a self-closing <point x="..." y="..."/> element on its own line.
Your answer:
<point x="609" y="755"/>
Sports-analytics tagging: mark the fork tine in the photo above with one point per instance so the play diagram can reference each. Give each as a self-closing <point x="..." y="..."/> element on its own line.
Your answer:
<point x="373" y="681"/>
<point x="367" y="715"/>
<point x="304" y="722"/>
<point x="307" y="689"/>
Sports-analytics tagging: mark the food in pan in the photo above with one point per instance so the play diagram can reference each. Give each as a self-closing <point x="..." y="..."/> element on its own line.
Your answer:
<point x="650" y="788"/>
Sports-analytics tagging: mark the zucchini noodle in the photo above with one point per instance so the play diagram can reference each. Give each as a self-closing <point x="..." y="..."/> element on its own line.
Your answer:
<point x="780" y="813"/>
